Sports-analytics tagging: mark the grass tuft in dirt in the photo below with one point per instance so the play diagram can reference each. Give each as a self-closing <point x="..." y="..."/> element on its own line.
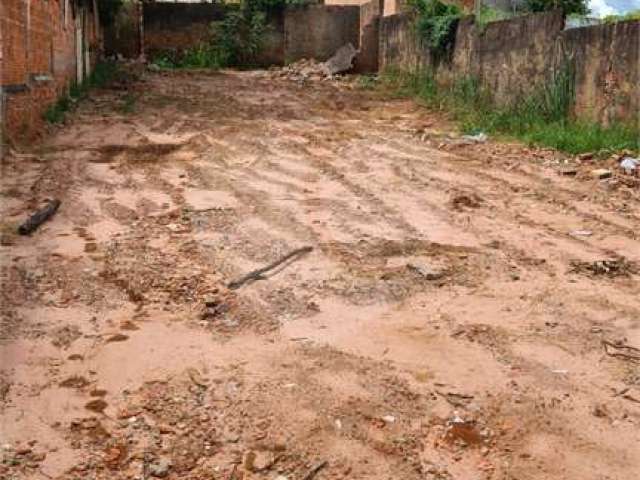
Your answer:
<point x="128" y="103"/>
<point x="102" y="74"/>
<point x="200" y="56"/>
<point x="541" y="118"/>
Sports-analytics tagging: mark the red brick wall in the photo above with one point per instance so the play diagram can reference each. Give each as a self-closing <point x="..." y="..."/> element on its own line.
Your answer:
<point x="38" y="60"/>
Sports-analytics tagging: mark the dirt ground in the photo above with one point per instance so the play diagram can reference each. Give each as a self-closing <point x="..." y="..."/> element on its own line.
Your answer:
<point x="468" y="311"/>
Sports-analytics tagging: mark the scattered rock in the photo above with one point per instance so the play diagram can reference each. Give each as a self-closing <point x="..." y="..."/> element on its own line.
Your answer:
<point x="601" y="173"/>
<point x="197" y="378"/>
<point x="160" y="468"/>
<point x="617" y="267"/>
<point x="600" y="411"/>
<point x="568" y="171"/>
<point x="118" y="337"/>
<point x="581" y="233"/>
<point x="74" y="382"/>
<point x="459" y="202"/>
<point x="425" y="271"/>
<point x="248" y="461"/>
<point x="97" y="405"/>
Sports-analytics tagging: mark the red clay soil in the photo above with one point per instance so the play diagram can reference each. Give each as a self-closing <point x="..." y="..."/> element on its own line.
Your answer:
<point x="451" y="322"/>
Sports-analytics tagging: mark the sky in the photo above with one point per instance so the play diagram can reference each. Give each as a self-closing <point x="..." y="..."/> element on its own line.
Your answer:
<point x="601" y="8"/>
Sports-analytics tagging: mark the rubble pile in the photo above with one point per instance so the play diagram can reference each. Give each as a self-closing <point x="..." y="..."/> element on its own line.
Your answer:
<point x="304" y="70"/>
<point x="310" y="69"/>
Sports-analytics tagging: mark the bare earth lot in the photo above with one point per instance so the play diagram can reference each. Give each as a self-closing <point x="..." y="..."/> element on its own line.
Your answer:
<point x="448" y="324"/>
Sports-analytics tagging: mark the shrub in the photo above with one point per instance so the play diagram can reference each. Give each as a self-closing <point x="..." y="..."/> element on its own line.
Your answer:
<point x="568" y="7"/>
<point x="436" y="24"/>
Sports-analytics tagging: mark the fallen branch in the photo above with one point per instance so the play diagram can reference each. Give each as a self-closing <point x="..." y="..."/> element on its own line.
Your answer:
<point x="38" y="218"/>
<point x="314" y="470"/>
<point x="259" y="273"/>
<point x="626" y="352"/>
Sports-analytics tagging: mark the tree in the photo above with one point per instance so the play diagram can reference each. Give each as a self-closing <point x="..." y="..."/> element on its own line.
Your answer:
<point x="568" y="7"/>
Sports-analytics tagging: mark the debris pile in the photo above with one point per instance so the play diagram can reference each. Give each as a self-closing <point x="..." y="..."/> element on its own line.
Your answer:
<point x="303" y="70"/>
<point x="309" y="69"/>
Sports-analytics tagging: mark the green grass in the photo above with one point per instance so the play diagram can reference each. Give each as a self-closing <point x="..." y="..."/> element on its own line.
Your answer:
<point x="367" y="82"/>
<point x="200" y="56"/>
<point x="541" y="118"/>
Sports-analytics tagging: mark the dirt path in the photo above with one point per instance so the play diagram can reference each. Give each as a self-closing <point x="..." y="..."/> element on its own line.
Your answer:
<point x="448" y="323"/>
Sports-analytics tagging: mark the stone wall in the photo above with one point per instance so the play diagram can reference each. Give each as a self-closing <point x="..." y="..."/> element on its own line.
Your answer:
<point x="41" y="58"/>
<point x="513" y="57"/>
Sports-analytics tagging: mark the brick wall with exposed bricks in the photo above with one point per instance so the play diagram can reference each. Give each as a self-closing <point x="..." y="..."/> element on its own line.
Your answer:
<point x="38" y="59"/>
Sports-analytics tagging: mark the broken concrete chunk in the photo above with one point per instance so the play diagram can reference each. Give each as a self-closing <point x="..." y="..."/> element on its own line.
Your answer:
<point x="342" y="60"/>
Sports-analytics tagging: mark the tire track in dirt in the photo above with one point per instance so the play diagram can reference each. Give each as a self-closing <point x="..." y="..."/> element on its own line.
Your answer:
<point x="424" y="337"/>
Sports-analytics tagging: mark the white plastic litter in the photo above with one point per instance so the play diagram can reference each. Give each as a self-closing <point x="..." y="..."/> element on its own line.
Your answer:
<point x="629" y="164"/>
<point x="478" y="137"/>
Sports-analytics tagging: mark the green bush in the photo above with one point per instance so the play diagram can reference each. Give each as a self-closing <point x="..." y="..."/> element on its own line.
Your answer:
<point x="633" y="15"/>
<point x="568" y="7"/>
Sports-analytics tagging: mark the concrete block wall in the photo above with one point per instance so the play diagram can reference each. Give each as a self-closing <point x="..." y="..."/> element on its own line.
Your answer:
<point x="178" y="26"/>
<point x="607" y="64"/>
<point x="309" y="31"/>
<point x="317" y="31"/>
<point x="514" y="57"/>
<point x="367" y="59"/>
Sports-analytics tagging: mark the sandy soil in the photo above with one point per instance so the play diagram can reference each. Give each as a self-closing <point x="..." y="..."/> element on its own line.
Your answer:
<point x="450" y="322"/>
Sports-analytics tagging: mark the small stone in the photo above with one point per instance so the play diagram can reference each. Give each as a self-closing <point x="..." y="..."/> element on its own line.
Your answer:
<point x="118" y="337"/>
<point x="232" y="438"/>
<point x="210" y="301"/>
<point x="38" y="457"/>
<point x="248" y="461"/>
<point x="601" y="173"/>
<point x="160" y="468"/>
<point x="600" y="411"/>
<point x="425" y="271"/>
<point x="568" y="171"/>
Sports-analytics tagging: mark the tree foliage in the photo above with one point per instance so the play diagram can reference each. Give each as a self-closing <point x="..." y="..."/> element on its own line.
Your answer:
<point x="436" y="23"/>
<point x="568" y="7"/>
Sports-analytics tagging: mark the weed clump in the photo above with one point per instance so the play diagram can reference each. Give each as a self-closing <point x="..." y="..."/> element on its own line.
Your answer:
<point x="543" y="117"/>
<point x="102" y="74"/>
